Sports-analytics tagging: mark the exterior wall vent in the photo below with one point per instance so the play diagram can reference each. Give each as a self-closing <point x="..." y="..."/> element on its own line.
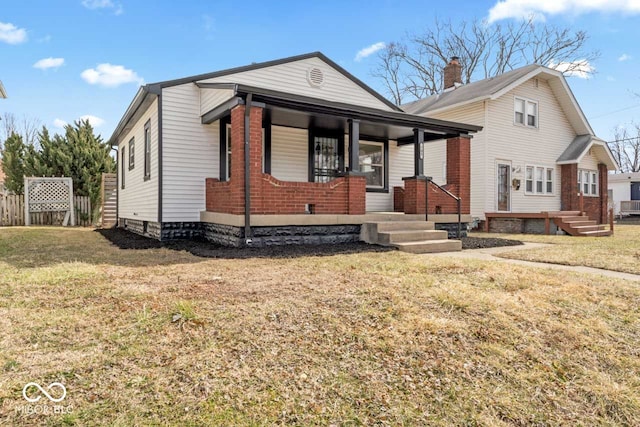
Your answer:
<point x="315" y="77"/>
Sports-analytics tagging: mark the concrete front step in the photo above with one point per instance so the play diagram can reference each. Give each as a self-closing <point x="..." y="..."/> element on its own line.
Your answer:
<point x="403" y="236"/>
<point x="564" y="213"/>
<point x="403" y="225"/>
<point x="430" y="246"/>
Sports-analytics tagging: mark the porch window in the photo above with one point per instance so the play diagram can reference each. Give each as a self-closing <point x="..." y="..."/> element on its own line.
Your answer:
<point x="327" y="156"/>
<point x="372" y="163"/>
<point x="132" y="154"/>
<point x="538" y="180"/>
<point x="588" y="182"/>
<point x="147" y="150"/>
<point x="526" y="112"/>
<point x="225" y="150"/>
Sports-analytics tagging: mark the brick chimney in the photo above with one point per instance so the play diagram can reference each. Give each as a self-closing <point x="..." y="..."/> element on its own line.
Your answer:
<point x="452" y="73"/>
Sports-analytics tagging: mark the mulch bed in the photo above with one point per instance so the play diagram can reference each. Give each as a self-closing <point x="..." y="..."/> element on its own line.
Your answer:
<point x="127" y="240"/>
<point x="487" y="242"/>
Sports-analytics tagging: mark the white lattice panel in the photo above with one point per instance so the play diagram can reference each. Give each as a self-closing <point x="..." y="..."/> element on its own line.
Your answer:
<point x="49" y="195"/>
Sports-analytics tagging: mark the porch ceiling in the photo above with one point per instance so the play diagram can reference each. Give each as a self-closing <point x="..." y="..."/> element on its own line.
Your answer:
<point x="304" y="120"/>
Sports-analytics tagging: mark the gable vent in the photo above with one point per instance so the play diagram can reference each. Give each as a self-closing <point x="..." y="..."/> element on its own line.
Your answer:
<point x="315" y="77"/>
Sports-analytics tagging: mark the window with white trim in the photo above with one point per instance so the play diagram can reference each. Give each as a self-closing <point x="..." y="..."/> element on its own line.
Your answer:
<point x="132" y="154"/>
<point x="588" y="182"/>
<point x="539" y="180"/>
<point x="371" y="158"/>
<point x="526" y="112"/>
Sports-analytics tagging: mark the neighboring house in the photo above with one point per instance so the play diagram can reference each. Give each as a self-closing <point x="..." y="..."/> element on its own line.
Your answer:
<point x="324" y="154"/>
<point x="3" y="93"/>
<point x="536" y="153"/>
<point x="624" y="193"/>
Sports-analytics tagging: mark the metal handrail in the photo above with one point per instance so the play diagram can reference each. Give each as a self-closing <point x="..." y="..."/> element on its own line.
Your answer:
<point x="448" y="193"/>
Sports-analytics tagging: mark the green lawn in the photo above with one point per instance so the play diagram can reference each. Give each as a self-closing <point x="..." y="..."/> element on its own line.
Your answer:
<point x="150" y="337"/>
<point x="620" y="252"/>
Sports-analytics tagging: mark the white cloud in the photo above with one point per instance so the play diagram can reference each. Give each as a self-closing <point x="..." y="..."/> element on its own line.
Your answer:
<point x="611" y="79"/>
<point x="59" y="123"/>
<point x="369" y="50"/>
<point x="46" y="63"/>
<point x="624" y="57"/>
<point x="110" y="75"/>
<point x="45" y="39"/>
<point x="93" y="120"/>
<point x="505" y="9"/>
<point x="103" y="4"/>
<point x="580" y="68"/>
<point x="11" y="34"/>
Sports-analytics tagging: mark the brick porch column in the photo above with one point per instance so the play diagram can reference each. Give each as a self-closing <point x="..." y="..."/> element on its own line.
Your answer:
<point x="569" y="199"/>
<point x="459" y="170"/>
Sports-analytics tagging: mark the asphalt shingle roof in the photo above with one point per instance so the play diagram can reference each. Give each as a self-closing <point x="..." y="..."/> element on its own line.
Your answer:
<point x="479" y="89"/>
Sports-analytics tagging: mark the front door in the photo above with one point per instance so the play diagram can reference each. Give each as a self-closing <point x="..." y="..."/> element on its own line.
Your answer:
<point x="504" y="187"/>
<point x="635" y="191"/>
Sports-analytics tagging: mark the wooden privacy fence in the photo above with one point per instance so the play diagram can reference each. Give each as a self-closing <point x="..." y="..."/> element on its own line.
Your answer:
<point x="12" y="212"/>
<point x="109" y="207"/>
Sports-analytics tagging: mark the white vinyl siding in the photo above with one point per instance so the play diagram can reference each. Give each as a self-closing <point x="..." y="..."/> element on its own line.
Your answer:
<point x="522" y="145"/>
<point x="290" y="154"/>
<point x="211" y="98"/>
<point x="292" y="78"/>
<point x="190" y="154"/>
<point x="139" y="198"/>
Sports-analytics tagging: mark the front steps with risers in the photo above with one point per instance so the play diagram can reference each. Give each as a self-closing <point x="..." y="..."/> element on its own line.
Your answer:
<point x="418" y="237"/>
<point x="577" y="223"/>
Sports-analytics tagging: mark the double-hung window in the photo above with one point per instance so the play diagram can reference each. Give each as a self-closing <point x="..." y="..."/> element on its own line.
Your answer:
<point x="526" y="112"/>
<point x="588" y="182"/>
<point x="371" y="159"/>
<point x="132" y="153"/>
<point x="538" y="180"/>
<point x="147" y="150"/>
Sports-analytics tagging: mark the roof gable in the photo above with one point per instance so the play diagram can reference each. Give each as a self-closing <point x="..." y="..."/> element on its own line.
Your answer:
<point x="581" y="146"/>
<point x="495" y="87"/>
<point x="292" y="74"/>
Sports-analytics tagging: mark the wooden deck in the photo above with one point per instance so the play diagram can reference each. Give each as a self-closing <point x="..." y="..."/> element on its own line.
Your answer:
<point x="574" y="223"/>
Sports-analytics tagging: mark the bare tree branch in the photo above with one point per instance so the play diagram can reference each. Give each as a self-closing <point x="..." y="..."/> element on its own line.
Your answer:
<point x="414" y="69"/>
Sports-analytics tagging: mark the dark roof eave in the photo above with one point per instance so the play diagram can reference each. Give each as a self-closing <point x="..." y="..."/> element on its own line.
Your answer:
<point x="137" y="101"/>
<point x="314" y="105"/>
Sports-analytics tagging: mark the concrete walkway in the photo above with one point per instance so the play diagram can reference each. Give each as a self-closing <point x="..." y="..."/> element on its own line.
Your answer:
<point x="489" y="254"/>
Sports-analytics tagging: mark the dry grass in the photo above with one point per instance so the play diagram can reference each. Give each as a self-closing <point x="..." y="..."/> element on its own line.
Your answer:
<point x="620" y="252"/>
<point x="362" y="339"/>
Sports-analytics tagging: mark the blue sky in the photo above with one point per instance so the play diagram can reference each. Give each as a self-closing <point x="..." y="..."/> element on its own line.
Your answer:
<point x="61" y="60"/>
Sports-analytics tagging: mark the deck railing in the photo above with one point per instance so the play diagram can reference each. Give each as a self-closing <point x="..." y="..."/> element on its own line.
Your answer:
<point x="630" y="207"/>
<point x="448" y="193"/>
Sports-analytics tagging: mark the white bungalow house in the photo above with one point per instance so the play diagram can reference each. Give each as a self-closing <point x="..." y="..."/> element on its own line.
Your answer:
<point x="624" y="193"/>
<point x="537" y="157"/>
<point x="290" y="151"/>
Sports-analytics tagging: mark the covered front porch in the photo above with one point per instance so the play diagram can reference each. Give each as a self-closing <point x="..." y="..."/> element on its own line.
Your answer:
<point x="288" y="160"/>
